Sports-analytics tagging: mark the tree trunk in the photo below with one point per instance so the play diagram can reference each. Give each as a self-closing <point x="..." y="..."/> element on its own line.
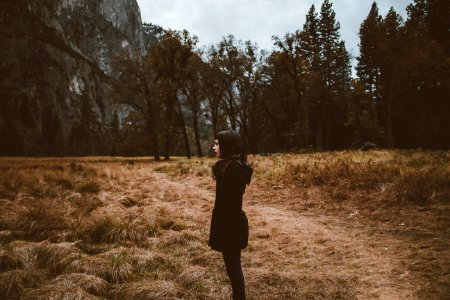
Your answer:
<point x="197" y="137"/>
<point x="328" y="132"/>
<point x="231" y="114"/>
<point x="168" y="130"/>
<point x="213" y="111"/>
<point x="179" y="114"/>
<point x="186" y="141"/>
<point x="389" y="130"/>
<point x="151" y="127"/>
<point x="319" y="144"/>
<point x="153" y="138"/>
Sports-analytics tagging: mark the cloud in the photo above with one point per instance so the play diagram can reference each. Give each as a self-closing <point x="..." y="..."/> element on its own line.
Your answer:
<point x="257" y="20"/>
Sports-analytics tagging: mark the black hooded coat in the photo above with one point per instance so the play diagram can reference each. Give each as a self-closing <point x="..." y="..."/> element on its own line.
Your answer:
<point x="229" y="224"/>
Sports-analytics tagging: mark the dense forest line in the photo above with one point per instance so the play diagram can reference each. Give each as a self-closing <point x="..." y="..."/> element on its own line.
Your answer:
<point x="172" y="99"/>
<point x="301" y="95"/>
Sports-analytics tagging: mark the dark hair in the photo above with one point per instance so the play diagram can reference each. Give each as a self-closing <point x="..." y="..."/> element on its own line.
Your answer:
<point x="231" y="145"/>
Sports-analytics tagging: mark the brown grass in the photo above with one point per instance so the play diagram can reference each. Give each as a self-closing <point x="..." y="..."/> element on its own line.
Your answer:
<point x="14" y="282"/>
<point x="41" y="219"/>
<point x="193" y="280"/>
<point x="122" y="230"/>
<point x="89" y="187"/>
<point x="149" y="289"/>
<point x="57" y="292"/>
<point x="55" y="257"/>
<point x="90" y="283"/>
<point x="338" y="225"/>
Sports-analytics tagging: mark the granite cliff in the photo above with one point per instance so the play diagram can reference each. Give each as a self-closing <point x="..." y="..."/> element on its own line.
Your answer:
<point x="55" y="66"/>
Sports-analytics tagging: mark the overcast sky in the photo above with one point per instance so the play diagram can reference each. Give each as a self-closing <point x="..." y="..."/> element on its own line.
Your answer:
<point x="257" y="20"/>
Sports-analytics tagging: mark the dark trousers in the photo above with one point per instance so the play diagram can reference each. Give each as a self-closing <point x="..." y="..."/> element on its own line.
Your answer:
<point x="232" y="259"/>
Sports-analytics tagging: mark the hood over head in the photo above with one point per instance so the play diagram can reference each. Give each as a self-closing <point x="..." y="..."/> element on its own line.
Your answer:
<point x="236" y="167"/>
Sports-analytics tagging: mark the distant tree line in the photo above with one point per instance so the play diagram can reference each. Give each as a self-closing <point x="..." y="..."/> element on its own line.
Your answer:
<point x="299" y="96"/>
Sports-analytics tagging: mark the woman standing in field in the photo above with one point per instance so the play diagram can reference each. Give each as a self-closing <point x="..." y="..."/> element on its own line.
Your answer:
<point x="229" y="224"/>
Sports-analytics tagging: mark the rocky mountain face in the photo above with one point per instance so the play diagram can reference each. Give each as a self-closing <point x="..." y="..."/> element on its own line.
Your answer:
<point x="55" y="66"/>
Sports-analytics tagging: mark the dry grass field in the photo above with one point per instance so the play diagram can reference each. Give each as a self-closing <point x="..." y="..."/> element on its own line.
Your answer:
<point x="337" y="225"/>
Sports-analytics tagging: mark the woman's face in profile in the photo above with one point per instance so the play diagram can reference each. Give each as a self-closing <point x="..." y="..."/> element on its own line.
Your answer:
<point x="216" y="148"/>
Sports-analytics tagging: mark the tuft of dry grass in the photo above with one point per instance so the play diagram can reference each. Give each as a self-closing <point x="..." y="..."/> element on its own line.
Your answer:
<point x="41" y="219"/>
<point x="128" y="201"/>
<point x="181" y="238"/>
<point x="8" y="261"/>
<point x="9" y="183"/>
<point x="192" y="279"/>
<point x="14" y="282"/>
<point x="46" y="179"/>
<point x="56" y="257"/>
<point x="114" y="268"/>
<point x="117" y="265"/>
<point x="53" y="258"/>
<point x="50" y="291"/>
<point x="23" y="253"/>
<point x="90" y="283"/>
<point x="182" y="167"/>
<point x="91" y="187"/>
<point x="8" y="218"/>
<point x="317" y="286"/>
<point x="149" y="289"/>
<point x="84" y="203"/>
<point x="160" y="266"/>
<point x="122" y="229"/>
<point x="422" y="186"/>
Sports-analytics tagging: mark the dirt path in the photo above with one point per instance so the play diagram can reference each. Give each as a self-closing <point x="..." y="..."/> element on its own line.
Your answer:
<point x="294" y="254"/>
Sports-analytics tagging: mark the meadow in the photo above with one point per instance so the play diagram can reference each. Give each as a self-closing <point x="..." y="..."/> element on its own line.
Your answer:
<point x="332" y="225"/>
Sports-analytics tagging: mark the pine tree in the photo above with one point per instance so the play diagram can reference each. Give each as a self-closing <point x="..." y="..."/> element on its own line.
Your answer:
<point x="310" y="40"/>
<point x="288" y="69"/>
<point x="421" y="82"/>
<point x="334" y="74"/>
<point x="362" y="117"/>
<point x="389" y="49"/>
<point x="310" y="48"/>
<point x="368" y="59"/>
<point x="329" y="39"/>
